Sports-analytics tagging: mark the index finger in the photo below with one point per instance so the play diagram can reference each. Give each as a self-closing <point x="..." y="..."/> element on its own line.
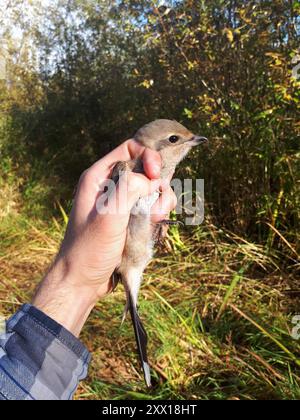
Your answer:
<point x="128" y="150"/>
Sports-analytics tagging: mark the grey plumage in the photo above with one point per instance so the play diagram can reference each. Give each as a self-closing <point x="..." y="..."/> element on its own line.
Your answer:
<point x="173" y="141"/>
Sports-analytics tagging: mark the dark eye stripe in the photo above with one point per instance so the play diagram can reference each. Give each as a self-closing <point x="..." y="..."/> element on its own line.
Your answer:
<point x="173" y="139"/>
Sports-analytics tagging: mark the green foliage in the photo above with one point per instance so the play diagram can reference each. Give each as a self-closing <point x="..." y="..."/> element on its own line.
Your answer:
<point x="223" y="68"/>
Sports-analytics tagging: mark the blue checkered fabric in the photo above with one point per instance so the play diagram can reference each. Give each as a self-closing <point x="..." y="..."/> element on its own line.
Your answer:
<point x="39" y="359"/>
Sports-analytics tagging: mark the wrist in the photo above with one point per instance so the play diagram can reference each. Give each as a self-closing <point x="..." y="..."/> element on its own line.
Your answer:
<point x="64" y="299"/>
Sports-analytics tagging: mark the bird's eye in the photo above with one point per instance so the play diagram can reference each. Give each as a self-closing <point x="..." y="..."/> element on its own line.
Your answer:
<point x="173" y="139"/>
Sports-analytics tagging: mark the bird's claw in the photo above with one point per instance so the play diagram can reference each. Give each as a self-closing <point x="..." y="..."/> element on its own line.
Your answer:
<point x="171" y="222"/>
<point x="161" y="229"/>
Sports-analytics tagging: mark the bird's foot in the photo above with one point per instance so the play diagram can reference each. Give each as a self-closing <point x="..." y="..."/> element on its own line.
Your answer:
<point x="170" y="222"/>
<point x="162" y="228"/>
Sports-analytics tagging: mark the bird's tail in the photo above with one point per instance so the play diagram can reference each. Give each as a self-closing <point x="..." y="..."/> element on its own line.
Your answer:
<point x="131" y="282"/>
<point x="141" y="338"/>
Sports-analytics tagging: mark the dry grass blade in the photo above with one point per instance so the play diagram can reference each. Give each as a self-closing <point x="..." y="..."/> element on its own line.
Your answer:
<point x="266" y="333"/>
<point x="284" y="240"/>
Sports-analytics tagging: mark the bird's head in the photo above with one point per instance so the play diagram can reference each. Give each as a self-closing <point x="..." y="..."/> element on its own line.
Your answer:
<point x="170" y="138"/>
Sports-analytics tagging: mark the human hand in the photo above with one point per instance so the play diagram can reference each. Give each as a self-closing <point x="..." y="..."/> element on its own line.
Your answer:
<point x="94" y="243"/>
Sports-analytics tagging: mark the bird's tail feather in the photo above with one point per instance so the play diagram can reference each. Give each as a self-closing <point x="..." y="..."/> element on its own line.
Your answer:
<point x="126" y="309"/>
<point x="141" y="339"/>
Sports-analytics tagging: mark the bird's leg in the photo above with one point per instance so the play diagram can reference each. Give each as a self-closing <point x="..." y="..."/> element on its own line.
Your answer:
<point x="170" y="222"/>
<point x="161" y="228"/>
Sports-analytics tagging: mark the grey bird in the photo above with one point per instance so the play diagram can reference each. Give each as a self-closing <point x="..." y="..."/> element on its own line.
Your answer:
<point x="173" y="141"/>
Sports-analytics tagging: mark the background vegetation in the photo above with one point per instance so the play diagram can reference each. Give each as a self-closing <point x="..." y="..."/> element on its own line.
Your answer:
<point x="219" y="299"/>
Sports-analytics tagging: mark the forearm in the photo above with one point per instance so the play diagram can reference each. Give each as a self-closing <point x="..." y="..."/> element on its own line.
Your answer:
<point x="40" y="356"/>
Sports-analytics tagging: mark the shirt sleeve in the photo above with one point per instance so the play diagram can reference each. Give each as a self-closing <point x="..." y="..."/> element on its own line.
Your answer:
<point x="39" y="359"/>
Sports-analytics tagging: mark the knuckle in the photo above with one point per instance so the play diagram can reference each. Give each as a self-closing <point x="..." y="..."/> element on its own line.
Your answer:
<point x="136" y="182"/>
<point x="85" y="178"/>
<point x="82" y="176"/>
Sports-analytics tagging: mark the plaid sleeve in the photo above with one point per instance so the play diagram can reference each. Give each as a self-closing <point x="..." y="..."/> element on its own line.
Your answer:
<point x="39" y="359"/>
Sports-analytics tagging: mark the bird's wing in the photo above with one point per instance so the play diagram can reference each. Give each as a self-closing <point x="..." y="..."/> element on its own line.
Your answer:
<point x="121" y="167"/>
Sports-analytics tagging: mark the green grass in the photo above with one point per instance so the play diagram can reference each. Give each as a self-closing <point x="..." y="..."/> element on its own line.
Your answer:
<point x="218" y="320"/>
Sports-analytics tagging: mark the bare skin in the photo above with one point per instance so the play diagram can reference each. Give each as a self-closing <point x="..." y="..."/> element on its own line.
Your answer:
<point x="94" y="243"/>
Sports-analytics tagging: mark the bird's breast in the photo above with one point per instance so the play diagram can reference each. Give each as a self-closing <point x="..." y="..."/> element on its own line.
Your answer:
<point x="144" y="204"/>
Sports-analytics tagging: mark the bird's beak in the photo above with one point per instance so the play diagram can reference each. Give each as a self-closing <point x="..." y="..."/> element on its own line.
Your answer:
<point x="197" y="140"/>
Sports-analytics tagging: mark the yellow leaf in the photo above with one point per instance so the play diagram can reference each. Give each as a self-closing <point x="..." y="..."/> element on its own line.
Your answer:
<point x="287" y="97"/>
<point x="147" y="83"/>
<point x="190" y="65"/>
<point x="229" y="35"/>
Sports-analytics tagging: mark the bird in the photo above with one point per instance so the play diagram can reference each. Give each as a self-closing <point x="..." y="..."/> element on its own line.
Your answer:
<point x="173" y="141"/>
